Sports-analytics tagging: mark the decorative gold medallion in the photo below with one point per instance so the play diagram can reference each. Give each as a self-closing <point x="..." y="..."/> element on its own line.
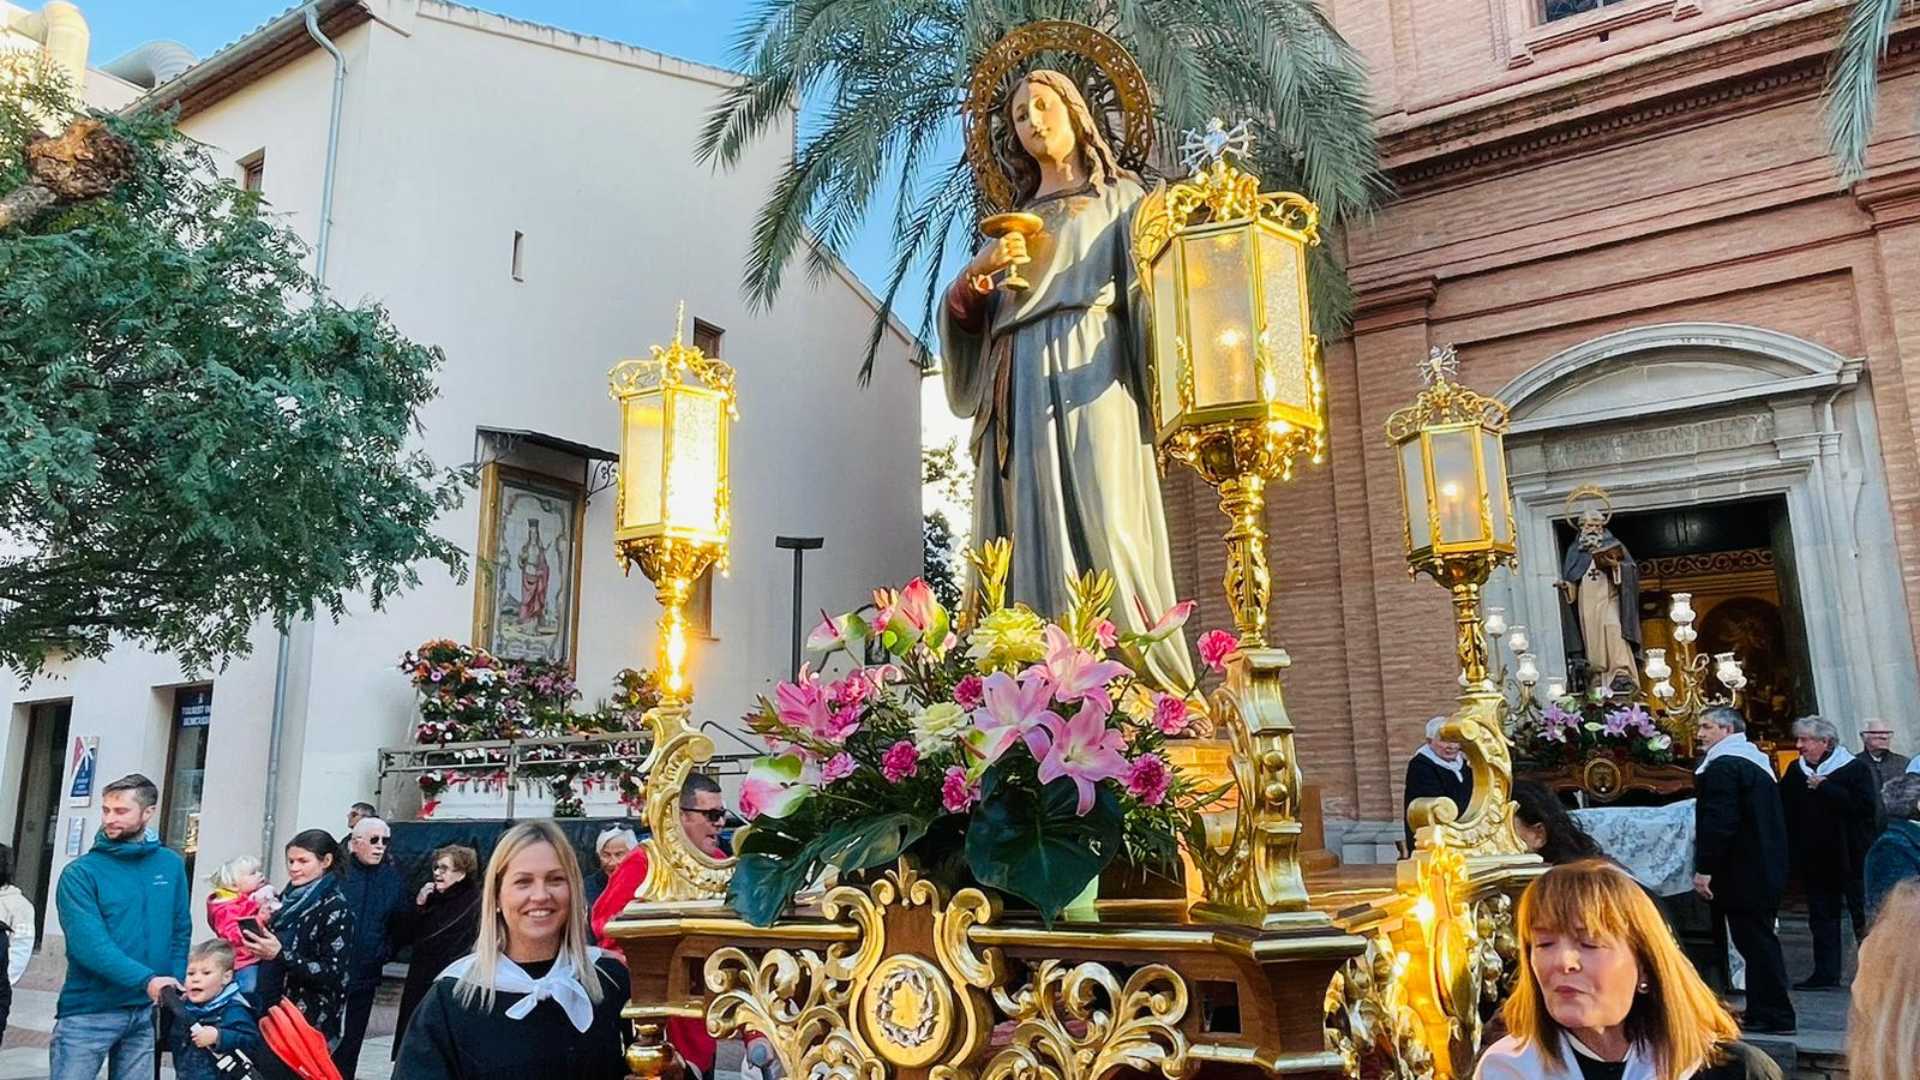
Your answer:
<point x="908" y="1010"/>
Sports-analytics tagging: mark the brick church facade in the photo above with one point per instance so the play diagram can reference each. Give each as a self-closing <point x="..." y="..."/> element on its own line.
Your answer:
<point x="1626" y="221"/>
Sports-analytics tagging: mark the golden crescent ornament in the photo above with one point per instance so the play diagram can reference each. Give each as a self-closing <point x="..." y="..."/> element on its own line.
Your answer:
<point x="1134" y="142"/>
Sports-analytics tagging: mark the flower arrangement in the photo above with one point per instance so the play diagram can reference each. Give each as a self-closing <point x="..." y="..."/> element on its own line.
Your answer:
<point x="469" y="695"/>
<point x="1577" y="727"/>
<point x="1018" y="754"/>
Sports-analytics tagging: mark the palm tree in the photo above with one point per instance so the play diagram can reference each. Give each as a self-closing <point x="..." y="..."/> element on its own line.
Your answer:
<point x="888" y="78"/>
<point x="1853" y="84"/>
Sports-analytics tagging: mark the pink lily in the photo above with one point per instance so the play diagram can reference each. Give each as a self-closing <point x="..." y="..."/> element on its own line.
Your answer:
<point x="1014" y="710"/>
<point x="1077" y="673"/>
<point x="1086" y="751"/>
<point x="803" y="704"/>
<point x="774" y="787"/>
<point x="1162" y="628"/>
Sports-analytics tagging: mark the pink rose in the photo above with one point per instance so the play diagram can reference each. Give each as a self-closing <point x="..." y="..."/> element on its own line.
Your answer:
<point x="902" y="760"/>
<point x="838" y="767"/>
<point x="970" y="693"/>
<point x="957" y="793"/>
<point x="1169" y="714"/>
<point x="1148" y="779"/>
<point x="1215" y="646"/>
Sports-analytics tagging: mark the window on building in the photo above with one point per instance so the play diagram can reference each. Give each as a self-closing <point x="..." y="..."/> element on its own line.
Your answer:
<point x="253" y="170"/>
<point x="186" y="770"/>
<point x="700" y="605"/>
<point x="519" y="244"/>
<point x="706" y="338"/>
<point x="1560" y="9"/>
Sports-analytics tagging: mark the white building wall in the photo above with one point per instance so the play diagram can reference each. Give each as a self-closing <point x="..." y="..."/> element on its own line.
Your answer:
<point x="454" y="136"/>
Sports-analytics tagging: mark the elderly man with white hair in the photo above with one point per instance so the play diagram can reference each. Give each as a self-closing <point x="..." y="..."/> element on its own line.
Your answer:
<point x="375" y="892"/>
<point x="1831" y="810"/>
<point x="1438" y="770"/>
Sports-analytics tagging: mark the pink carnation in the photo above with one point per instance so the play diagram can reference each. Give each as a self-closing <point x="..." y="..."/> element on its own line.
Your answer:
<point x="851" y="691"/>
<point x="957" y="793"/>
<point x="1169" y="714"/>
<point x="1215" y="646"/>
<point x="1148" y="779"/>
<point x="838" y="767"/>
<point x="901" y="761"/>
<point x="970" y="693"/>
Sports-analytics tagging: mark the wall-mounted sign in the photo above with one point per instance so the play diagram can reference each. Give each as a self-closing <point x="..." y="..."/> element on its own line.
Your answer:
<point x="76" y="834"/>
<point x="86" y="751"/>
<point x="194" y="707"/>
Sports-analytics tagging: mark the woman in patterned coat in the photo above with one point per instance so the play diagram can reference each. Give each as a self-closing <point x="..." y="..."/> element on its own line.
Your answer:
<point x="307" y="951"/>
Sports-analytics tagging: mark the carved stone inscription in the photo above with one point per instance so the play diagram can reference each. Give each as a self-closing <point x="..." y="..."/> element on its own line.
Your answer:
<point x="1645" y="444"/>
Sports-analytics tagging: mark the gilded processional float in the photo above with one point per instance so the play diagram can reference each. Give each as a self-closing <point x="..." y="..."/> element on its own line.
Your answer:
<point x="943" y="924"/>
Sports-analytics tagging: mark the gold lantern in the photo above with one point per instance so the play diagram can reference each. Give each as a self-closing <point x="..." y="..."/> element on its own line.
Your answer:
<point x="1238" y="395"/>
<point x="673" y="515"/>
<point x="1449" y="446"/>
<point x="1237" y="387"/>
<point x="1453" y="491"/>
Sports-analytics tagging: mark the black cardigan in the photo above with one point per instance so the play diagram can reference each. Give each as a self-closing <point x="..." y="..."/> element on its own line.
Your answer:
<point x="1740" y="835"/>
<point x="1425" y="780"/>
<point x="447" y="1040"/>
<point x="440" y="932"/>
<point x="1830" y="827"/>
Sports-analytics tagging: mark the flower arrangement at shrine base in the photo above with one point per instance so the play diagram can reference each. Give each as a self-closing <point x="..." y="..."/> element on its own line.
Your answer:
<point x="1579" y="727"/>
<point x="466" y="695"/>
<point x="1021" y="754"/>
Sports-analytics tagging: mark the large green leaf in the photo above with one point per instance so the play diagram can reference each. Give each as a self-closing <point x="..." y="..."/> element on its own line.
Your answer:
<point x="1035" y="847"/>
<point x="871" y="842"/>
<point x="762" y="886"/>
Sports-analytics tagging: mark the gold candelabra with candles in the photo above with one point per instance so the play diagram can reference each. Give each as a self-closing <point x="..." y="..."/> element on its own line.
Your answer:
<point x="1679" y="707"/>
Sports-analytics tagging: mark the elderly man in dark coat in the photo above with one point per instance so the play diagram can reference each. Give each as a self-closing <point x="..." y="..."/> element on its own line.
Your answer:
<point x="1740" y="859"/>
<point x="1876" y="741"/>
<point x="1437" y="770"/>
<point x="1832" y="809"/>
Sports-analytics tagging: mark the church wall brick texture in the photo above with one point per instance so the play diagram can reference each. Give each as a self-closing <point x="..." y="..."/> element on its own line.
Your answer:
<point x="1655" y="161"/>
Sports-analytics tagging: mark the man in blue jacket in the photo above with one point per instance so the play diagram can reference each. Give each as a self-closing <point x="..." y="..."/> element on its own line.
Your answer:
<point x="374" y="891"/>
<point x="123" y="907"/>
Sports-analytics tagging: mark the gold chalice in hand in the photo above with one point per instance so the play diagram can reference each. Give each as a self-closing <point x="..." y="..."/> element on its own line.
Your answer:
<point x="1027" y="225"/>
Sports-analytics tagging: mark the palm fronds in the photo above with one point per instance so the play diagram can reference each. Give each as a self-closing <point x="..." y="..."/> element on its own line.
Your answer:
<point x="1853" y="84"/>
<point x="884" y="81"/>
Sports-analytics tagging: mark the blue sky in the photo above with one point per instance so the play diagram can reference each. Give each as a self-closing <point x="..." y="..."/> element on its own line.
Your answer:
<point x="694" y="29"/>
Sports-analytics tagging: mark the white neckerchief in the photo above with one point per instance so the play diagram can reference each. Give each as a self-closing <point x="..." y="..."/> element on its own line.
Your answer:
<point x="559" y="985"/>
<point x="1914" y="765"/>
<point x="1512" y="1059"/>
<point x="1839" y="759"/>
<point x="1736" y="745"/>
<point x="1456" y="766"/>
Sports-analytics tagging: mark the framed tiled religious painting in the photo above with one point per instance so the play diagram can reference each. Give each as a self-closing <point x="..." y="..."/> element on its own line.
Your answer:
<point x="527" y="570"/>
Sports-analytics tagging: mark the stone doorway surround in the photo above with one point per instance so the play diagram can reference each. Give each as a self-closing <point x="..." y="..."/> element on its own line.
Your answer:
<point x="1683" y="413"/>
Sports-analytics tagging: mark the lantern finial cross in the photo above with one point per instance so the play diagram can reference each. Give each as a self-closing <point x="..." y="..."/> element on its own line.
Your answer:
<point x="1203" y="148"/>
<point x="1441" y="365"/>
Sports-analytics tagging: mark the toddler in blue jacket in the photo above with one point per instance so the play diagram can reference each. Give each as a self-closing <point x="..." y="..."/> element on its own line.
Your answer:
<point x="219" y="1020"/>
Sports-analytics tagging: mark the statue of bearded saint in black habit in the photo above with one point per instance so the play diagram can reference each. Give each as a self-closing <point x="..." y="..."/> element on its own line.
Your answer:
<point x="1600" y="609"/>
<point x="1055" y="378"/>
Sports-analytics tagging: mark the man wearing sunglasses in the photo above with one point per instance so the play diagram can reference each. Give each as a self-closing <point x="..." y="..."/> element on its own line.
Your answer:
<point x="374" y="891"/>
<point x="703" y="813"/>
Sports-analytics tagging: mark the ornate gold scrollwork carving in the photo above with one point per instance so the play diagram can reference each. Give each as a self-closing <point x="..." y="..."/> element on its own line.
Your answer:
<point x="1485" y="830"/>
<point x="1367" y="1018"/>
<point x="861" y="1010"/>
<point x="1497" y="952"/>
<point x="1256" y="877"/>
<point x="1081" y="1023"/>
<point x="676" y="870"/>
<point x="1461" y="951"/>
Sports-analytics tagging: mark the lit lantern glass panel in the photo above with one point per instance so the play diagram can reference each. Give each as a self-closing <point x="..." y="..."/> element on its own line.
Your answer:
<point x="696" y="469"/>
<point x="1456" y="485"/>
<point x="1220" y="318"/>
<point x="643" y="505"/>
<point x="1413" y="482"/>
<point x="1493" y="457"/>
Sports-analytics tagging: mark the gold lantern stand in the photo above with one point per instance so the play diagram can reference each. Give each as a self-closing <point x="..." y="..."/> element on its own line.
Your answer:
<point x="1449" y="446"/>
<point x="673" y="518"/>
<point x="1237" y="394"/>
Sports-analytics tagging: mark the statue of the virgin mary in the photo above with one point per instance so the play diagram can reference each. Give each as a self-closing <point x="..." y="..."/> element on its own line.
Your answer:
<point x="1055" y="378"/>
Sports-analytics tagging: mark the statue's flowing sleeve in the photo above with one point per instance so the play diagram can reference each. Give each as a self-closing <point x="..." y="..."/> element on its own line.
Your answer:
<point x="965" y="321"/>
